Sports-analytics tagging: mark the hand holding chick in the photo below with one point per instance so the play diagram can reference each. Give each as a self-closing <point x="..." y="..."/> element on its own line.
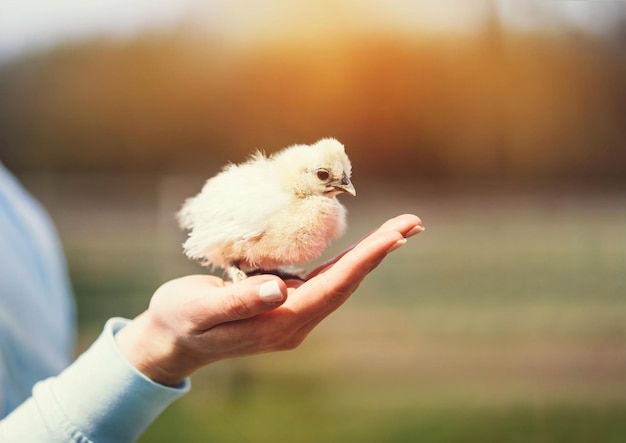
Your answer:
<point x="269" y="213"/>
<point x="203" y="320"/>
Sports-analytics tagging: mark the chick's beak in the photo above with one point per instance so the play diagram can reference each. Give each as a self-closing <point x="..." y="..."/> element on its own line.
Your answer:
<point x="345" y="185"/>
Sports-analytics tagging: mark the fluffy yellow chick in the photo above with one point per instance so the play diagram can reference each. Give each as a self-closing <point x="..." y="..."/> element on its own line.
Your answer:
<point x="269" y="213"/>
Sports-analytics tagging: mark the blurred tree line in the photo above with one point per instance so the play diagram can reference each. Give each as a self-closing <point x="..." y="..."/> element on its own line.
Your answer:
<point x="496" y="107"/>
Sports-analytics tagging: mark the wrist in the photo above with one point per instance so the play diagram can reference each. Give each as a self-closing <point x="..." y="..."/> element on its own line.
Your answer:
<point x="151" y="351"/>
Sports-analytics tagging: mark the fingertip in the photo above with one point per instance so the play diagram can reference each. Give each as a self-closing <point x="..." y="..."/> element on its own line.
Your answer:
<point x="412" y="220"/>
<point x="414" y="231"/>
<point x="406" y="224"/>
<point x="411" y="217"/>
<point x="272" y="291"/>
<point x="397" y="245"/>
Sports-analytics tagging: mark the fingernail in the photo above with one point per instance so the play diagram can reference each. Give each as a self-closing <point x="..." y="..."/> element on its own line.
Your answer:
<point x="415" y="230"/>
<point x="270" y="292"/>
<point x="397" y="244"/>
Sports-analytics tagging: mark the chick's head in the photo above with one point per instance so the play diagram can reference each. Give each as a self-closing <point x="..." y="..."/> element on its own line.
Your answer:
<point x="312" y="170"/>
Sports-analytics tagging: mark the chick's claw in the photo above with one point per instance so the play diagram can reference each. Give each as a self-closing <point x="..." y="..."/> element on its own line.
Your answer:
<point x="235" y="274"/>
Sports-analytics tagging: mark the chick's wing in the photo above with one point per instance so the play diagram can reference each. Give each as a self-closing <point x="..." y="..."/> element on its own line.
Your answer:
<point x="238" y="203"/>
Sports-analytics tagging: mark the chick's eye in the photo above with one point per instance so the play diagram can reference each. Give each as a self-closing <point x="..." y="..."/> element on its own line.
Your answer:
<point x="323" y="174"/>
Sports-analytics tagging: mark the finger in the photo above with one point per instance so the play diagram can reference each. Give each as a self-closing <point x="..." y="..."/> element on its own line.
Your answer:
<point x="326" y="291"/>
<point x="319" y="297"/>
<point x="355" y="263"/>
<point x="406" y="224"/>
<point x="238" y="301"/>
<point x="336" y="281"/>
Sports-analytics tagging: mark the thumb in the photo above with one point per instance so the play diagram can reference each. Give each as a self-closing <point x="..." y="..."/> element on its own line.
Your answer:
<point x="244" y="299"/>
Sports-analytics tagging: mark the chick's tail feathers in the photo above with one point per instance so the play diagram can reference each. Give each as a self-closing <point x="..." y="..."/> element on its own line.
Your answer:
<point x="185" y="216"/>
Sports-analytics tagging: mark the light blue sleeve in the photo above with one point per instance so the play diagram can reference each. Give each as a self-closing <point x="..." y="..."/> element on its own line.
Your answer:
<point x="37" y="324"/>
<point x="100" y="398"/>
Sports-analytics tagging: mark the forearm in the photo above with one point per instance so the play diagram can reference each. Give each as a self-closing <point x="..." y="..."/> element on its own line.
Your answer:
<point x="99" y="398"/>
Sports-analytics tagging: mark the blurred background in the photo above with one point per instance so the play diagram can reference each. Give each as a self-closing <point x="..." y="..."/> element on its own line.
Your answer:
<point x="501" y="124"/>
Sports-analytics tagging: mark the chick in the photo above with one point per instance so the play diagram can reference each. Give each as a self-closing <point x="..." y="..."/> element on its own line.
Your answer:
<point x="269" y="213"/>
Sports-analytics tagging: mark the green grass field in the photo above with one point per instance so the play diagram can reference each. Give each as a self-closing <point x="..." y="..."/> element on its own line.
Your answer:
<point x="504" y="322"/>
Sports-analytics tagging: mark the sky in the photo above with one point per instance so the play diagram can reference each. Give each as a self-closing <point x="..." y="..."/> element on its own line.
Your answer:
<point x="27" y="25"/>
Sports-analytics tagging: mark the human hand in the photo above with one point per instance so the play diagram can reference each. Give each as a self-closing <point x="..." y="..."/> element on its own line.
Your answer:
<point x="199" y="319"/>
